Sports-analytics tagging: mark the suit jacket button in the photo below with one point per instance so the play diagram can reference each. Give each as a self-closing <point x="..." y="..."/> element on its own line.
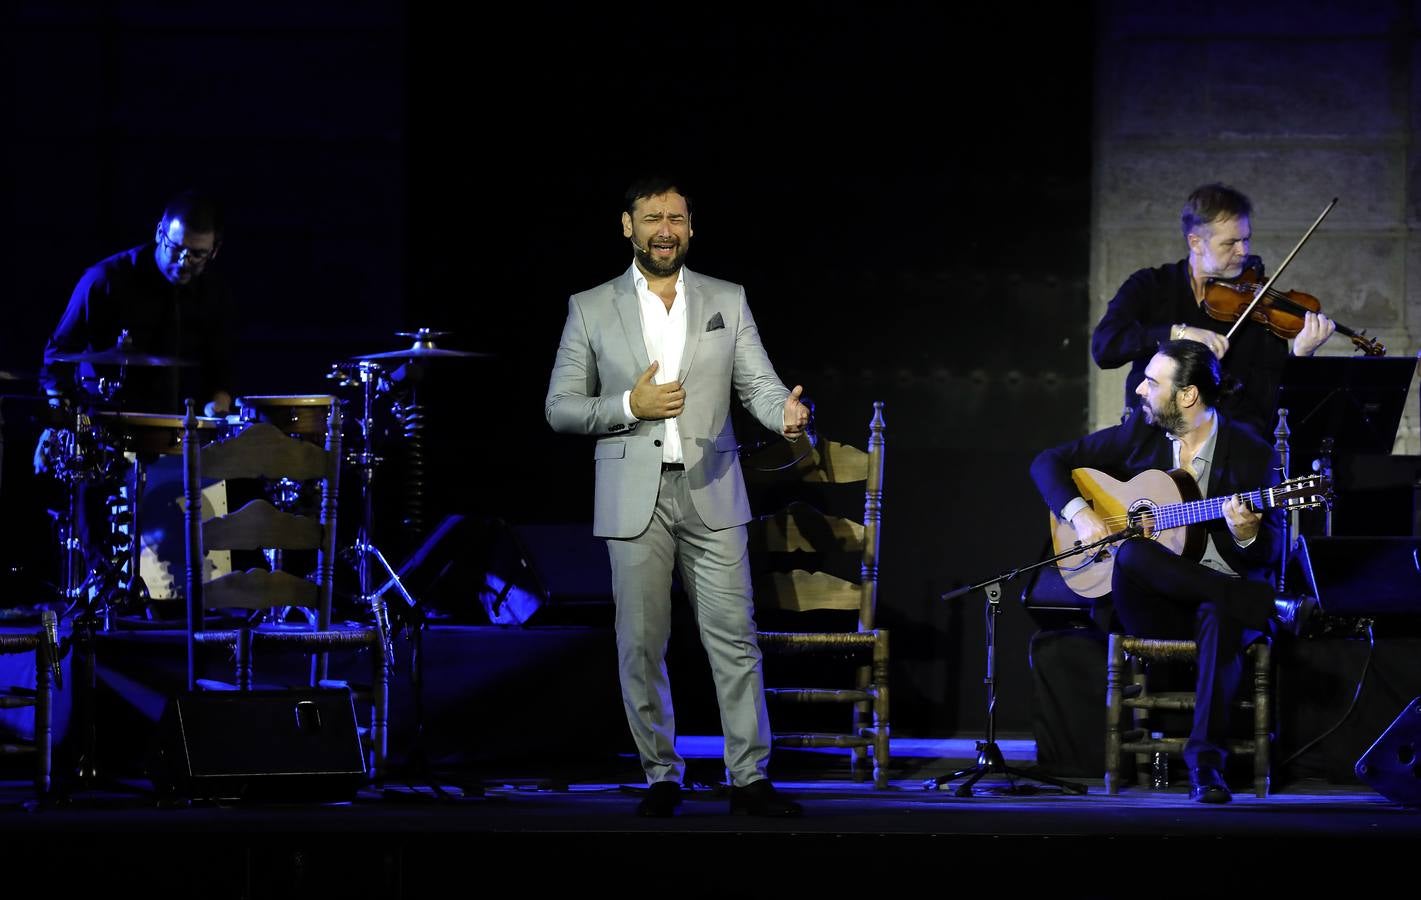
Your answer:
<point x="656" y="443"/>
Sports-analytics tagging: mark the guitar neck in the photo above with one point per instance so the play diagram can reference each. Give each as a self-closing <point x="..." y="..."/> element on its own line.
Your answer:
<point x="1177" y="515"/>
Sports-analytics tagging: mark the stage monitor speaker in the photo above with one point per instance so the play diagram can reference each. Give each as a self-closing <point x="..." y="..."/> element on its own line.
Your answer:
<point x="473" y="569"/>
<point x="260" y="745"/>
<point x="1391" y="766"/>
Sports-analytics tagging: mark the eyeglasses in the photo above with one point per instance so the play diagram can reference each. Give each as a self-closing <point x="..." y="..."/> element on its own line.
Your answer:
<point x="180" y="252"/>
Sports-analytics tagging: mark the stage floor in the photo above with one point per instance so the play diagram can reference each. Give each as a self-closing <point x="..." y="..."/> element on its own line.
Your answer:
<point x="541" y="827"/>
<point x="534" y="783"/>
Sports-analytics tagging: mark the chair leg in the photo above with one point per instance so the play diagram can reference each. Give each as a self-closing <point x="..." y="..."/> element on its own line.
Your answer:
<point x="1114" y="708"/>
<point x="862" y="726"/>
<point x="379" y="708"/>
<point x="44" y="722"/>
<point x="244" y="658"/>
<point x="880" y="712"/>
<point x="858" y="763"/>
<point x="1262" y="717"/>
<point x="1140" y="716"/>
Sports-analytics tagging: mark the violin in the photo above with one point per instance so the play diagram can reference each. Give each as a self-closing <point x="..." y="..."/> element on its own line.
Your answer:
<point x="1282" y="312"/>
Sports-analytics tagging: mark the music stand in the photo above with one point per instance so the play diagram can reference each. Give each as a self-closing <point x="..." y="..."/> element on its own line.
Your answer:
<point x="1355" y="401"/>
<point x="1343" y="404"/>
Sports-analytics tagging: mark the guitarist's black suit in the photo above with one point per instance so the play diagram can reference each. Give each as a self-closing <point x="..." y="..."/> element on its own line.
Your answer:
<point x="1159" y="594"/>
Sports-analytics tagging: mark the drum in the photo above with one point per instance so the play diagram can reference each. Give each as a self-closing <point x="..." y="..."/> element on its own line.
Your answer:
<point x="299" y="415"/>
<point x="155" y="441"/>
<point x="148" y="434"/>
<point x="163" y="557"/>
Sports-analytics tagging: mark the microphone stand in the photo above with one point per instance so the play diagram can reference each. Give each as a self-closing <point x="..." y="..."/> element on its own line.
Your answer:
<point x="989" y="756"/>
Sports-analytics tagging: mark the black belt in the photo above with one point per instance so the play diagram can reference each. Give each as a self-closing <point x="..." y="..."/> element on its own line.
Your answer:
<point x="673" y="467"/>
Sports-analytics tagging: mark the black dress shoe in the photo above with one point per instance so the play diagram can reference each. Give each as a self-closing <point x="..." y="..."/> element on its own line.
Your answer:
<point x="1207" y="786"/>
<point x="1293" y="613"/>
<point x="759" y="798"/>
<point x="660" y="801"/>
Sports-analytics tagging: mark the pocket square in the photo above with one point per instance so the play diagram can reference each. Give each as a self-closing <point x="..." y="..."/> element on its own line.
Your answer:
<point x="716" y="322"/>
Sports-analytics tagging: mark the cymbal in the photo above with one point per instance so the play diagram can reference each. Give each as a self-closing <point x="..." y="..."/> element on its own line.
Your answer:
<point x="121" y="358"/>
<point x="15" y="376"/>
<point x="420" y="352"/>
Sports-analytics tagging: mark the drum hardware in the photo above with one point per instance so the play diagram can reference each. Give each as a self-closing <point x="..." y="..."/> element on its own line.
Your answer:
<point x="122" y="358"/>
<point x="370" y="376"/>
<point x="73" y="452"/>
<point x="88" y="450"/>
<point x="410" y="415"/>
<point x="423" y="348"/>
<point x="121" y="354"/>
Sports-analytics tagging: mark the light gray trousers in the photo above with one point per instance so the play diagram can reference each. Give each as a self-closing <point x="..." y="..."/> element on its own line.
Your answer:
<point x="716" y="573"/>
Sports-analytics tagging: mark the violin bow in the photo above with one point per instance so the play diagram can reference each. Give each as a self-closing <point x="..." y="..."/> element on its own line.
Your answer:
<point x="1263" y="291"/>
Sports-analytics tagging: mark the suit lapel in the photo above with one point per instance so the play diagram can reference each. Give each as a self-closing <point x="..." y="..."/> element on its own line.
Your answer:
<point x="629" y="310"/>
<point x="1156" y="449"/>
<point x="1221" y="455"/>
<point x="695" y="321"/>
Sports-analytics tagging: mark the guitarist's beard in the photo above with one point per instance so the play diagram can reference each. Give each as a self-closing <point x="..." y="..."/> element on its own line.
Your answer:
<point x="1169" y="417"/>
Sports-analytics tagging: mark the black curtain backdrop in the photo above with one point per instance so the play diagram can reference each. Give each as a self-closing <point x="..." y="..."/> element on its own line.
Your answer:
<point x="903" y="189"/>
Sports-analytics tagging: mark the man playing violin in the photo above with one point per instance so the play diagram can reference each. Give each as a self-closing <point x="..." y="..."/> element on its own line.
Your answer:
<point x="1225" y="600"/>
<point x="1166" y="303"/>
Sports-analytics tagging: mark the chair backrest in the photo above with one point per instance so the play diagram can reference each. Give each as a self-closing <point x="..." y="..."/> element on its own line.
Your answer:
<point x="804" y="545"/>
<point x="260" y="451"/>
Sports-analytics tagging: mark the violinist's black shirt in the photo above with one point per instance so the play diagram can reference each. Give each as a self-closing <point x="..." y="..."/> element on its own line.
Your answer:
<point x="1139" y="318"/>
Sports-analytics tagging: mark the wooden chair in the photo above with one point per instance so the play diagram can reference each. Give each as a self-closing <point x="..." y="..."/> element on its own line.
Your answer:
<point x="803" y="562"/>
<point x="41" y="699"/>
<point x="262" y="452"/>
<point x="1134" y="653"/>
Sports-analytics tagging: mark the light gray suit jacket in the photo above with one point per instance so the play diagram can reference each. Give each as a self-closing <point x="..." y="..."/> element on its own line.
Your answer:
<point x="602" y="354"/>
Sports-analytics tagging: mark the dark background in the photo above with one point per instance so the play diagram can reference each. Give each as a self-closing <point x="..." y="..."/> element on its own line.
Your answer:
<point x="903" y="190"/>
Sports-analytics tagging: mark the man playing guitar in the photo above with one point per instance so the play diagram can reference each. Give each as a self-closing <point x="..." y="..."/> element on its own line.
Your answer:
<point x="1226" y="599"/>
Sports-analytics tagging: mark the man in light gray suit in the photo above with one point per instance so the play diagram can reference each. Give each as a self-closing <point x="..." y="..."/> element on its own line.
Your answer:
<point x="647" y="364"/>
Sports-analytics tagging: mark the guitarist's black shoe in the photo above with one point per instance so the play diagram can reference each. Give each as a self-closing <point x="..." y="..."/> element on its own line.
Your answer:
<point x="1206" y="785"/>
<point x="1293" y="613"/>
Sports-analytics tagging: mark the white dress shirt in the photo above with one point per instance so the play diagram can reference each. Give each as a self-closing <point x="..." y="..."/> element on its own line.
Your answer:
<point x="664" y="333"/>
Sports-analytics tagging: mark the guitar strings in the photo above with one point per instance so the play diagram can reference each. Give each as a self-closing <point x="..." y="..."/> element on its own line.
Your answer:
<point x="1175" y="515"/>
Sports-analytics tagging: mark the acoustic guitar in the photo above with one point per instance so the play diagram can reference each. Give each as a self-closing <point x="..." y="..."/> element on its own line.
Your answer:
<point x="1166" y="507"/>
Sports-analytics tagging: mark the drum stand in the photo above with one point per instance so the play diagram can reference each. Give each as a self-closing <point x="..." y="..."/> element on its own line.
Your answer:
<point x="366" y="554"/>
<point x="369" y="374"/>
<point x="87" y="592"/>
<point x="72" y="464"/>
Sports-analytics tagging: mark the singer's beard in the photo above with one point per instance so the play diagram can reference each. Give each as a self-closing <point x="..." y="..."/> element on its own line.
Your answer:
<point x="1170" y="417"/>
<point x="658" y="267"/>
